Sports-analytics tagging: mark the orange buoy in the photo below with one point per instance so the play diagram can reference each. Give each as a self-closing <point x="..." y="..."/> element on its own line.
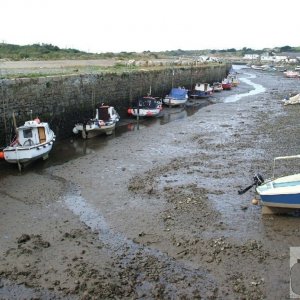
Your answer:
<point x="1" y="154"/>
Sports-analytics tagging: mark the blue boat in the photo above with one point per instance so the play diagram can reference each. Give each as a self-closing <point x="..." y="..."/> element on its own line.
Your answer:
<point x="177" y="96"/>
<point x="281" y="192"/>
<point x="202" y="90"/>
<point x="278" y="194"/>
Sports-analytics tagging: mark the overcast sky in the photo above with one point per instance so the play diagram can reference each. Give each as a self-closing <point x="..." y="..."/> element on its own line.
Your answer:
<point x="156" y="25"/>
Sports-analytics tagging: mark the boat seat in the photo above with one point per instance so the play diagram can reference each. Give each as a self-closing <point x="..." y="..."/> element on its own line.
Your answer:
<point x="286" y="184"/>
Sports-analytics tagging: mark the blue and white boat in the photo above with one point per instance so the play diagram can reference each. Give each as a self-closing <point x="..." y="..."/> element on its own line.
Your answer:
<point x="281" y="192"/>
<point x="177" y="96"/>
<point x="202" y="90"/>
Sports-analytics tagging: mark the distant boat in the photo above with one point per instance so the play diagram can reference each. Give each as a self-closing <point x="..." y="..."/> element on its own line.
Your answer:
<point x="33" y="140"/>
<point x="217" y="87"/>
<point x="145" y="107"/>
<point x="233" y="79"/>
<point x="177" y="96"/>
<point x="103" y="123"/>
<point x="281" y="68"/>
<point x="202" y="90"/>
<point x="291" y="74"/>
<point x="256" y="67"/>
<point x="226" y="84"/>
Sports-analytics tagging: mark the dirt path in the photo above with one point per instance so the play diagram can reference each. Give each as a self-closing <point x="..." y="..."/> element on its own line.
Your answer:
<point x="156" y="214"/>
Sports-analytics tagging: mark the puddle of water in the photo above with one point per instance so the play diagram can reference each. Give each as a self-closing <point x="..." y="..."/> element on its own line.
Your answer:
<point x="258" y="88"/>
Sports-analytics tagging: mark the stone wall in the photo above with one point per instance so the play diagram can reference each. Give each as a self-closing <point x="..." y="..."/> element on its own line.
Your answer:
<point x="64" y="100"/>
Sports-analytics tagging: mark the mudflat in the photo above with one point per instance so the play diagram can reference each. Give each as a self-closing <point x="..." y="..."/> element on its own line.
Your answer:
<point x="155" y="214"/>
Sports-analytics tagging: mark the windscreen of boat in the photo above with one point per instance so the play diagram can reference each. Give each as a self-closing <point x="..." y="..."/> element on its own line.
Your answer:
<point x="27" y="133"/>
<point x="149" y="103"/>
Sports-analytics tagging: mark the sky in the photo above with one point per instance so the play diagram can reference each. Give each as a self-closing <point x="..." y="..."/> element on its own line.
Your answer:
<point x="150" y="25"/>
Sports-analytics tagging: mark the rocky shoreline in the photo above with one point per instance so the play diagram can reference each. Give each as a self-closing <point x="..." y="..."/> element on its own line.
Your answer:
<point x="156" y="214"/>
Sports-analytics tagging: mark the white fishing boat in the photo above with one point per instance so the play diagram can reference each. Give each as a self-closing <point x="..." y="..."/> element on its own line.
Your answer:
<point x="33" y="140"/>
<point x="103" y="123"/>
<point x="201" y="90"/>
<point x="145" y="107"/>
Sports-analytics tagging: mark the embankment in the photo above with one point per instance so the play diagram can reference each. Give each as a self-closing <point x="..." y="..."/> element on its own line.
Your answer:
<point x="63" y="100"/>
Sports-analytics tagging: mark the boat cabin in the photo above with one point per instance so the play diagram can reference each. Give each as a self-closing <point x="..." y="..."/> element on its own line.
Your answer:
<point x="146" y="102"/>
<point x="33" y="133"/>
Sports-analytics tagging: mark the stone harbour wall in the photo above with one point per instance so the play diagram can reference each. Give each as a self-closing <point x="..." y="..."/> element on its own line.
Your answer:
<point x="64" y="100"/>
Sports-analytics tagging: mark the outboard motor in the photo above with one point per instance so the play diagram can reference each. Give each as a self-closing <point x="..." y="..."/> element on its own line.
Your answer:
<point x="257" y="181"/>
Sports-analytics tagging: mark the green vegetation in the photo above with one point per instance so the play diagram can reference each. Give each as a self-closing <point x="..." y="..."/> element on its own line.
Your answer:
<point x="51" y="52"/>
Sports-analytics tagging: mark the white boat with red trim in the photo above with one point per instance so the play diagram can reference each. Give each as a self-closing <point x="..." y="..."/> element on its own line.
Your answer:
<point x="145" y="107"/>
<point x="33" y="140"/>
<point x="103" y="123"/>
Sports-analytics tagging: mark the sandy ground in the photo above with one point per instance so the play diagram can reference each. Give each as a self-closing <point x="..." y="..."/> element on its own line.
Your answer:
<point x="156" y="214"/>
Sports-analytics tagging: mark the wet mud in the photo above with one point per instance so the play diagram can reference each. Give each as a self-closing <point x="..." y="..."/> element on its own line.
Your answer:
<point x="155" y="213"/>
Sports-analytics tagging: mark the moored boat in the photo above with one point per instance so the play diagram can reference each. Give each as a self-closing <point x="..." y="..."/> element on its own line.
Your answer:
<point x="33" y="140"/>
<point x="278" y="193"/>
<point x="257" y="67"/>
<point x="233" y="80"/>
<point x="146" y="107"/>
<point x="177" y="96"/>
<point x="202" y="90"/>
<point x="217" y="87"/>
<point x="104" y="123"/>
<point x="291" y="74"/>
<point x="226" y="84"/>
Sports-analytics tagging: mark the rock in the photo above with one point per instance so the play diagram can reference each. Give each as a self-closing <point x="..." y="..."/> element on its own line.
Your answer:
<point x="23" y="238"/>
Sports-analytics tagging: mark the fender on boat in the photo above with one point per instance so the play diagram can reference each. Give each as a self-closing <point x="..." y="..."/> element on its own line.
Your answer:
<point x="75" y="130"/>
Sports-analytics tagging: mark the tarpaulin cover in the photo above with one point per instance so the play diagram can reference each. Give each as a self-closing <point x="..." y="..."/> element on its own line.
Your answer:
<point x="177" y="93"/>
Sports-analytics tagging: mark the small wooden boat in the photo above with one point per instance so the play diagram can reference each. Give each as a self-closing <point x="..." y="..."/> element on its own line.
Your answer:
<point x="103" y="123"/>
<point x="146" y="107"/>
<point x="201" y="90"/>
<point x="33" y="140"/>
<point x="177" y="96"/>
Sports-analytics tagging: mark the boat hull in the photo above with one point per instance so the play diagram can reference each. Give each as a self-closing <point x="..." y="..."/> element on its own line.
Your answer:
<point x="90" y="131"/>
<point x="24" y="155"/>
<point x="226" y="86"/>
<point x="145" y="112"/>
<point x="201" y="94"/>
<point x="174" y="102"/>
